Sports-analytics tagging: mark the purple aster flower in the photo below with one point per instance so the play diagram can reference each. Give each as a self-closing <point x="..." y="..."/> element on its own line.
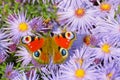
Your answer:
<point x="51" y="75"/>
<point x="107" y="50"/>
<point x="74" y="71"/>
<point x="102" y="27"/>
<point x="17" y="27"/>
<point x="13" y="47"/>
<point x="12" y="17"/>
<point x="32" y="76"/>
<point x="24" y="56"/>
<point x="95" y="2"/>
<point x="109" y="71"/>
<point x="37" y="65"/>
<point x="10" y="73"/>
<point x="5" y="42"/>
<point x="77" y="17"/>
<point x="108" y="27"/>
<point x="56" y="29"/>
<point x="50" y="72"/>
<point x="37" y="24"/>
<point x="84" y="55"/>
<point x="115" y="3"/>
<point x="2" y="58"/>
<point x="68" y="3"/>
<point x="106" y="8"/>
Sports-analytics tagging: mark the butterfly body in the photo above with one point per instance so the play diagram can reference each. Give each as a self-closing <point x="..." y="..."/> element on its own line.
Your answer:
<point x="46" y="48"/>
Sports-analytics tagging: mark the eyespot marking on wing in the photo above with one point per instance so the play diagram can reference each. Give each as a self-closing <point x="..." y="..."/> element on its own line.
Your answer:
<point x="64" y="39"/>
<point x="60" y="56"/>
<point x="41" y="57"/>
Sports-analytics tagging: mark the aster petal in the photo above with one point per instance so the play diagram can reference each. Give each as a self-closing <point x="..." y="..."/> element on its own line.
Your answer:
<point x="25" y="56"/>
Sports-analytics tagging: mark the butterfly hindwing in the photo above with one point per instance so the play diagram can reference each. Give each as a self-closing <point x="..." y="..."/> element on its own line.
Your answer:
<point x="41" y="57"/>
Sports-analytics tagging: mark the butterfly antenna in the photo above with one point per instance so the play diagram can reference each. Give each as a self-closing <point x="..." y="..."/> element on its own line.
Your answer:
<point x="39" y="33"/>
<point x="51" y="34"/>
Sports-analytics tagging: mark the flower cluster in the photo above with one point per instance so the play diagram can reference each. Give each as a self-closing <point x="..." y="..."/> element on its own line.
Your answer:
<point x="93" y="55"/>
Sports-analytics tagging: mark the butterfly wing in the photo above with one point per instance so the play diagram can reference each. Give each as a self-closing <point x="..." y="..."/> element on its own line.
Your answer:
<point x="34" y="45"/>
<point x="63" y="42"/>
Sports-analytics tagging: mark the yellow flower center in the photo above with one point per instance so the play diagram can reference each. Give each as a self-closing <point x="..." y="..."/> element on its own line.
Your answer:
<point x="80" y="61"/>
<point x="106" y="48"/>
<point x="80" y="73"/>
<point x="46" y="21"/>
<point x="23" y="26"/>
<point x="109" y="76"/>
<point x="105" y="7"/>
<point x="80" y="12"/>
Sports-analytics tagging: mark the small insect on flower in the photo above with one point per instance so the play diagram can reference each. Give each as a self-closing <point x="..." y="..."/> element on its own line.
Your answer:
<point x="90" y="40"/>
<point x="17" y="27"/>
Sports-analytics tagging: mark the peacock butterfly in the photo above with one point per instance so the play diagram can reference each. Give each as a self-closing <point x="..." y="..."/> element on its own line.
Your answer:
<point x="46" y="48"/>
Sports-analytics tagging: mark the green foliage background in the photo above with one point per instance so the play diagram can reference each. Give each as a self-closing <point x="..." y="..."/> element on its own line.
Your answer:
<point x="33" y="10"/>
